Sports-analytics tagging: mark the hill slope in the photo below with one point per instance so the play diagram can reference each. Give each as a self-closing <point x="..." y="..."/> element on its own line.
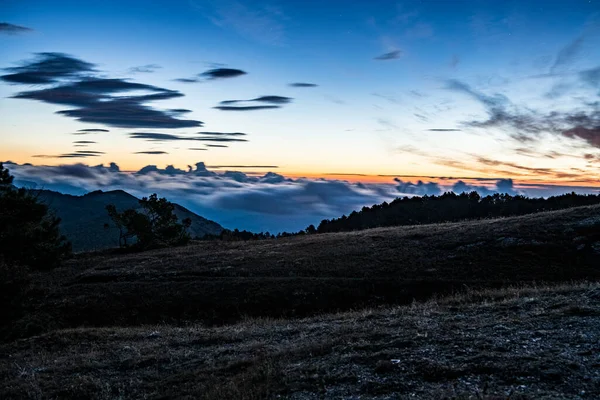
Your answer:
<point x="222" y="282"/>
<point x="83" y="217"/>
<point x="529" y="343"/>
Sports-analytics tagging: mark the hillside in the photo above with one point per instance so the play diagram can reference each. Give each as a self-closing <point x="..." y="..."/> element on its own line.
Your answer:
<point x="223" y="282"/>
<point x="83" y="217"/>
<point x="224" y="319"/>
<point x="529" y="343"/>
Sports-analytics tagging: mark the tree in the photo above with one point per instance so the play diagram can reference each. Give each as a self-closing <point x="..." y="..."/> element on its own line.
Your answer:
<point x="29" y="233"/>
<point x="155" y="226"/>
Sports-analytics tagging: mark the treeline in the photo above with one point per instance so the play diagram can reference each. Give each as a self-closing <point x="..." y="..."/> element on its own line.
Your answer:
<point x="448" y="207"/>
<point x="235" y="235"/>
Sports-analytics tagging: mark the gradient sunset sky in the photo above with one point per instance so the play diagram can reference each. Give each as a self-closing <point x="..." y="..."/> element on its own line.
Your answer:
<point x="428" y="88"/>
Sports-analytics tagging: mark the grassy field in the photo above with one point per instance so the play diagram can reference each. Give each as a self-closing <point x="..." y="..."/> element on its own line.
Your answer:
<point x="225" y="319"/>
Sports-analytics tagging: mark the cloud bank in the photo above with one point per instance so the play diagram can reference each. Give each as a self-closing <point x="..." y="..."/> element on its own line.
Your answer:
<point x="235" y="199"/>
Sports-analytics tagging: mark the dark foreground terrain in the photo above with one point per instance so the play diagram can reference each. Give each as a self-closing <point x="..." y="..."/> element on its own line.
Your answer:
<point x="224" y="319"/>
<point x="530" y="343"/>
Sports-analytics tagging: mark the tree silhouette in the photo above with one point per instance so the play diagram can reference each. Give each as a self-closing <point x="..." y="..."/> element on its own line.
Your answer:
<point x="29" y="234"/>
<point x="155" y="226"/>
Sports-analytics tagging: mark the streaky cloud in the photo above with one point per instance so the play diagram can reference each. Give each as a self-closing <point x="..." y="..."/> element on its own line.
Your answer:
<point x="262" y="99"/>
<point x="221" y="73"/>
<point x="48" y="68"/>
<point x="154" y="136"/>
<point x="392" y="55"/>
<point x="245" y="108"/>
<point x="148" y="68"/>
<point x="186" y="80"/>
<point x="90" y="130"/>
<point x="153" y="152"/>
<point x="303" y="85"/>
<point x="12" y="29"/>
<point x="567" y="54"/>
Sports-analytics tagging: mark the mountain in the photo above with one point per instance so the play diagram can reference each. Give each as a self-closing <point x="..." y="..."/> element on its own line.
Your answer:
<point x="83" y="217"/>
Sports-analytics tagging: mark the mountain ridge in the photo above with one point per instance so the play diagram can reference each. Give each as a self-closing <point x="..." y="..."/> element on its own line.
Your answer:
<point x="83" y="217"/>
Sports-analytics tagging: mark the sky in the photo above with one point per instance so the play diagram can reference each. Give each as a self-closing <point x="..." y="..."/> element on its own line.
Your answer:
<point x="300" y="110"/>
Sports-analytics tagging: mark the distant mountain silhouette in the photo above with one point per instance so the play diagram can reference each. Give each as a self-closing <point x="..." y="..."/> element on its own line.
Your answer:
<point x="83" y="217"/>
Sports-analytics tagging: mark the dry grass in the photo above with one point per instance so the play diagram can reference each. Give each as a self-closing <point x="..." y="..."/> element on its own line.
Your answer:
<point x="462" y="310"/>
<point x="223" y="282"/>
<point x="526" y="342"/>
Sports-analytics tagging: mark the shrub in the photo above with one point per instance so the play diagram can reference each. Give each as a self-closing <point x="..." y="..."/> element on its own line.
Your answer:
<point x="155" y="226"/>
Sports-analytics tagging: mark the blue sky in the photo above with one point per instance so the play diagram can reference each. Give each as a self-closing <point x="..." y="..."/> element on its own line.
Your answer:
<point x="479" y="89"/>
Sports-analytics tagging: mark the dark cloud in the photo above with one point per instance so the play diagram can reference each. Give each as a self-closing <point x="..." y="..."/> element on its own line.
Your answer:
<point x="91" y="130"/>
<point x="128" y="114"/>
<point x="262" y="99"/>
<point x="216" y="145"/>
<point x="94" y="97"/>
<point x="157" y="136"/>
<point x="84" y="142"/>
<point x="392" y="55"/>
<point x="12" y="29"/>
<point x="220" y="73"/>
<point x="219" y="139"/>
<point x="200" y="148"/>
<point x="590" y="135"/>
<point x="77" y="154"/>
<point x="47" y="68"/>
<point x="179" y="111"/>
<point x="567" y="55"/>
<point x="153" y="136"/>
<point x="148" y="68"/>
<point x="273" y="99"/>
<point x="245" y="108"/>
<point x="154" y="152"/>
<point x="186" y="80"/>
<point x="303" y="85"/>
<point x="444" y="130"/>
